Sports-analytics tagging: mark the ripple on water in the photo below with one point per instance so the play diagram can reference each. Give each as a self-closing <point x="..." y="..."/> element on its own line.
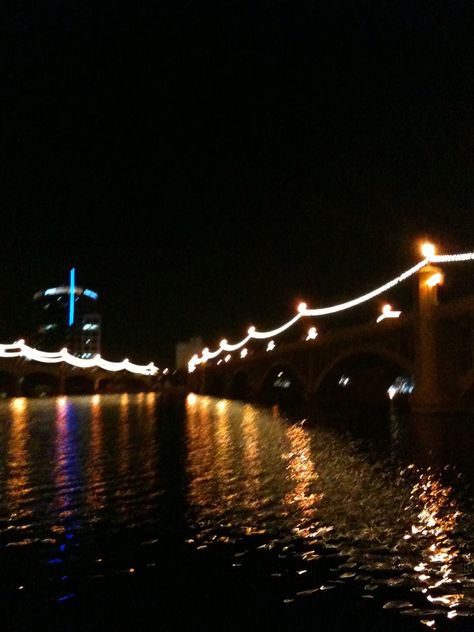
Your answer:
<point x="131" y="495"/>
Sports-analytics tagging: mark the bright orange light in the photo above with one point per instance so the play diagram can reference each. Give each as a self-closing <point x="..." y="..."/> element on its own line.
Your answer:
<point x="435" y="279"/>
<point x="428" y="250"/>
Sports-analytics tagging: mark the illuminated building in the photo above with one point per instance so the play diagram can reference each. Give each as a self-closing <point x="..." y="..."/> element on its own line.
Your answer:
<point x="66" y="316"/>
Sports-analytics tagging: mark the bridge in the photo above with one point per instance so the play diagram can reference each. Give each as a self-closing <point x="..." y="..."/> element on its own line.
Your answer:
<point x="25" y="371"/>
<point x="426" y="354"/>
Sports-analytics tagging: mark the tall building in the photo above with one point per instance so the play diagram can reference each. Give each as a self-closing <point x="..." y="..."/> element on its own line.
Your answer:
<point x="186" y="350"/>
<point x="66" y="316"/>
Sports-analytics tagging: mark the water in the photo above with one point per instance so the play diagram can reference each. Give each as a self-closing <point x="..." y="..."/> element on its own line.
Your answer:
<point x="126" y="512"/>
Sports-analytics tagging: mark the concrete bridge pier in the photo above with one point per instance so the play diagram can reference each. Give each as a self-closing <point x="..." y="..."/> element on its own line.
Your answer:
<point x="427" y="396"/>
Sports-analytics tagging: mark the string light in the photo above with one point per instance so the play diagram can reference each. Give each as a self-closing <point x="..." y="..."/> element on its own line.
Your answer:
<point x="303" y="310"/>
<point x="20" y="349"/>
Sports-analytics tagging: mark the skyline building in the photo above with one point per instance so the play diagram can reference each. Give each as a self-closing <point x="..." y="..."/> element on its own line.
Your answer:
<point x="67" y="316"/>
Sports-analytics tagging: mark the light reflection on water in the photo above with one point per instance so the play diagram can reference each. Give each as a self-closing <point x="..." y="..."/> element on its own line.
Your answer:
<point x="88" y="488"/>
<point x="385" y="527"/>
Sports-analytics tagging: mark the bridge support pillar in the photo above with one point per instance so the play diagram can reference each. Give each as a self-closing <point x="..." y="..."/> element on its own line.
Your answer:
<point x="427" y="396"/>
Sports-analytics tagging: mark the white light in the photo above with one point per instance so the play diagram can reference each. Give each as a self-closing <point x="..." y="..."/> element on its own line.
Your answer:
<point x="227" y="358"/>
<point x="261" y="335"/>
<point x="324" y="311"/>
<point x="312" y="333"/>
<point x="344" y="380"/>
<point x="243" y="353"/>
<point x="271" y="345"/>
<point x="387" y="312"/>
<point x="467" y="256"/>
<point x="435" y="279"/>
<point x="427" y="250"/>
<point x="21" y="349"/>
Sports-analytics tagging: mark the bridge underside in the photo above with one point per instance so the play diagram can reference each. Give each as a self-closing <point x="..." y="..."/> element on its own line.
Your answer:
<point x="34" y="379"/>
<point x="357" y="380"/>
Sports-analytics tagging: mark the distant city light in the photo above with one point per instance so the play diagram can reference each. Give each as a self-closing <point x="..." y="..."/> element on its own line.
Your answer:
<point x="90" y="326"/>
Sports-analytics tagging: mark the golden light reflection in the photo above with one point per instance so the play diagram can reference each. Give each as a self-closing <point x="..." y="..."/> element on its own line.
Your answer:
<point x="124" y="435"/>
<point x="17" y="489"/>
<point x="150" y="403"/>
<point x="303" y="475"/>
<point x="251" y="462"/>
<point x="200" y="454"/>
<point x="64" y="454"/>
<point x="191" y="399"/>
<point x="95" y="488"/>
<point x="437" y="520"/>
<point x="223" y="466"/>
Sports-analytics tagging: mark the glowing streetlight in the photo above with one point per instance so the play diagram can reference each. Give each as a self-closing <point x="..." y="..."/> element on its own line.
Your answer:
<point x="435" y="279"/>
<point x="428" y="250"/>
<point x="388" y="312"/>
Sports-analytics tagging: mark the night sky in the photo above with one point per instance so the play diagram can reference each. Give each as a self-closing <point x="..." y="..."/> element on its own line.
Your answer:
<point x="206" y="165"/>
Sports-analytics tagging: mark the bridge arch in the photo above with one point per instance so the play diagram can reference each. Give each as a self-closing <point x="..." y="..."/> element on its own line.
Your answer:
<point x="40" y="384"/>
<point x="359" y="378"/>
<point x="240" y="386"/>
<point x="282" y="383"/>
<point x="9" y="384"/>
<point x="79" y="384"/>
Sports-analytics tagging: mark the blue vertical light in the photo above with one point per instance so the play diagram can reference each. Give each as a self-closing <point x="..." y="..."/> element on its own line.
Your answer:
<point x="72" y="293"/>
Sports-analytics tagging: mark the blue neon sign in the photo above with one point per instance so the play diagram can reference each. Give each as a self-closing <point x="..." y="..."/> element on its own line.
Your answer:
<point x="72" y="292"/>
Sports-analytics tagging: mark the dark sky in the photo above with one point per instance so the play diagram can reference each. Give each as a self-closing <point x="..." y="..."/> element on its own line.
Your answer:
<point x="205" y="165"/>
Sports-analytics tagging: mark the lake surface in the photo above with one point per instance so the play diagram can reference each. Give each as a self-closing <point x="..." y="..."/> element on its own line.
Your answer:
<point x="125" y="512"/>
